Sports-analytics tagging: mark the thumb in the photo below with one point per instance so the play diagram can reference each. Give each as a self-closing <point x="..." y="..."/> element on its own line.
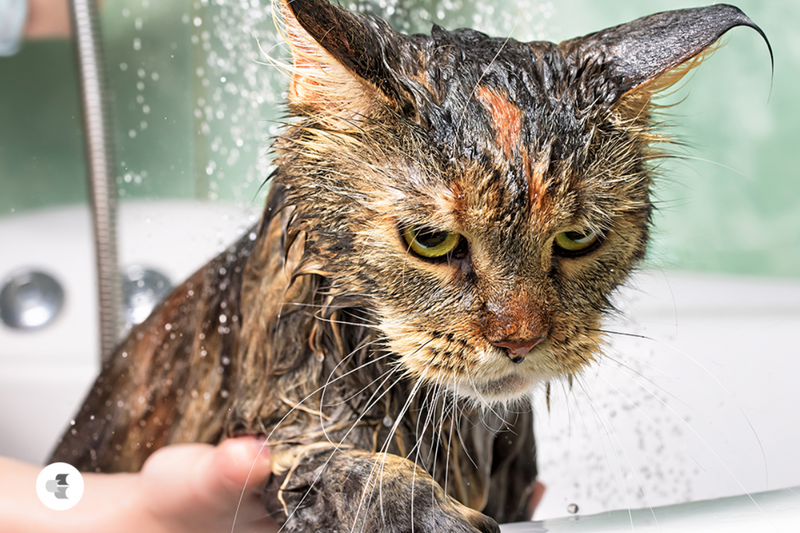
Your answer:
<point x="237" y="465"/>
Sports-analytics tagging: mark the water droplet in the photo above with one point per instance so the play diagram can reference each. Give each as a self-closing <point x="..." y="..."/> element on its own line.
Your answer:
<point x="387" y="421"/>
<point x="123" y="67"/>
<point x="198" y="22"/>
<point x="223" y="393"/>
<point x="572" y="508"/>
<point x="72" y="422"/>
<point x="137" y="44"/>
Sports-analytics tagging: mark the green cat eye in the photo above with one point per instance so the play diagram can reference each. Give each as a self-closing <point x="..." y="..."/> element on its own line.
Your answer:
<point x="573" y="242"/>
<point x="430" y="243"/>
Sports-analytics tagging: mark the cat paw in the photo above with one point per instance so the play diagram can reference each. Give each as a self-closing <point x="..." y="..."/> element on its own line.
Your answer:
<point x="369" y="493"/>
<point x="463" y="519"/>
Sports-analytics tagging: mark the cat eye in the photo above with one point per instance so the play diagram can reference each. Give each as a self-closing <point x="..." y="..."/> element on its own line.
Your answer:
<point x="431" y="243"/>
<point x="575" y="243"/>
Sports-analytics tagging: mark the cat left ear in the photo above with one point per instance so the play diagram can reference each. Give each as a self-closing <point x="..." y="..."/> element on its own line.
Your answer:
<point x="638" y="57"/>
<point x="341" y="60"/>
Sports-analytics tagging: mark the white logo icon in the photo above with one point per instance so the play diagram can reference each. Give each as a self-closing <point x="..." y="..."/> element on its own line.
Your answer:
<point x="59" y="486"/>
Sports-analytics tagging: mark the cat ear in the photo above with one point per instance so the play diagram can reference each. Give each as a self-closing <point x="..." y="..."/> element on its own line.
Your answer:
<point x="642" y="57"/>
<point x="341" y="60"/>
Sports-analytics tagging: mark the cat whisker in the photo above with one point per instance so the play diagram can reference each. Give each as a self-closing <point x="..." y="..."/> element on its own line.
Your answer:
<point x="611" y="433"/>
<point x="446" y="412"/>
<point x="360" y="367"/>
<point x="417" y="448"/>
<point x="337" y="446"/>
<point x="430" y="391"/>
<point x="371" y="403"/>
<point x="673" y="396"/>
<point x="343" y="322"/>
<point x="621" y="333"/>
<point x="685" y="157"/>
<point x="417" y="385"/>
<point x="297" y="406"/>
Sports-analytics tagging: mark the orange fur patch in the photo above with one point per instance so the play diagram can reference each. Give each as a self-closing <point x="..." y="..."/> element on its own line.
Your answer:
<point x="506" y="118"/>
<point x="536" y="171"/>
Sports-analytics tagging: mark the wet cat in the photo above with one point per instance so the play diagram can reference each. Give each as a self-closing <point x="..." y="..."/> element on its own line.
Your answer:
<point x="448" y="219"/>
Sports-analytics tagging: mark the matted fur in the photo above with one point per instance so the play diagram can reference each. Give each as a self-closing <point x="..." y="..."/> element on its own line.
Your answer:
<point x="391" y="388"/>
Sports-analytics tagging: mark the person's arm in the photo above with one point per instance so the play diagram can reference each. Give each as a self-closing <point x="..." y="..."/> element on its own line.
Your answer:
<point x="183" y="488"/>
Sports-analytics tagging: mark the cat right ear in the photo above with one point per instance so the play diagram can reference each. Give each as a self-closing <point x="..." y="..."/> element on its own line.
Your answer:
<point x="646" y="55"/>
<point x="342" y="62"/>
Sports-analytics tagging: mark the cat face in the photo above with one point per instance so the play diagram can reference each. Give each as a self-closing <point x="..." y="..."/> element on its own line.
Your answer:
<point x="481" y="197"/>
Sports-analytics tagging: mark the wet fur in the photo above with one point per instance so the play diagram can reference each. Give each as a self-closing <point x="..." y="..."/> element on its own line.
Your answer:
<point x="376" y="375"/>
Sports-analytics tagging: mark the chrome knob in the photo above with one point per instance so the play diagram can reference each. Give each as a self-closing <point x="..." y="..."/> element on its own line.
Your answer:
<point x="142" y="289"/>
<point x="30" y="300"/>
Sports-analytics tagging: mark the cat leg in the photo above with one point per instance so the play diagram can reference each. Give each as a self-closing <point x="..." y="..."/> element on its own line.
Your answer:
<point x="330" y="490"/>
<point x="513" y="471"/>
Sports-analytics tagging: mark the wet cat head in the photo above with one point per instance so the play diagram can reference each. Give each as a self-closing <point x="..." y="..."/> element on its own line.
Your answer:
<point x="481" y="197"/>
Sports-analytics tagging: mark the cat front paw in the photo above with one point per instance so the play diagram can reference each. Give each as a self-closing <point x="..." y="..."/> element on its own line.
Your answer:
<point x="369" y="493"/>
<point x="451" y="517"/>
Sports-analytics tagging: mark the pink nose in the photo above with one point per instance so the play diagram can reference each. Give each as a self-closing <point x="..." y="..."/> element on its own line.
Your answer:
<point x="518" y="349"/>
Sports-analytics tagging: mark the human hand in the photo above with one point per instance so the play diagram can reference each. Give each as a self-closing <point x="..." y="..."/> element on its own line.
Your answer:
<point x="194" y="488"/>
<point x="182" y="488"/>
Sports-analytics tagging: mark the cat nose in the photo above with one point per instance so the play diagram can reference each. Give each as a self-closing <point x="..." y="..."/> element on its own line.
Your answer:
<point x="518" y="349"/>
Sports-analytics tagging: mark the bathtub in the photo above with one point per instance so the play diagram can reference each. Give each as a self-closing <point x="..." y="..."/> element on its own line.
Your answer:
<point x="766" y="512"/>
<point x="694" y="400"/>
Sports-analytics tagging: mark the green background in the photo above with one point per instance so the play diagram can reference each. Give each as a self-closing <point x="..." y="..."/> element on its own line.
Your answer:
<point x="196" y="91"/>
